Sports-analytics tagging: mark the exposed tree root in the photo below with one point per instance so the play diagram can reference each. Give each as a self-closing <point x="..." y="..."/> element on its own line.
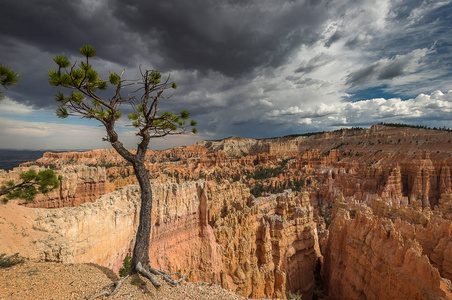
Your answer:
<point x="148" y="275"/>
<point x="116" y="284"/>
<point x="147" y="272"/>
<point x="166" y="276"/>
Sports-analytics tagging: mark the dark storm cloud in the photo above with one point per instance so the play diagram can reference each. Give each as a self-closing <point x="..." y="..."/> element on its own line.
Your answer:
<point x="232" y="37"/>
<point x="314" y="63"/>
<point x="236" y="61"/>
<point x="334" y="38"/>
<point x="392" y="71"/>
<point x="361" y="76"/>
<point x="34" y="31"/>
<point x="63" y="26"/>
<point x="387" y="69"/>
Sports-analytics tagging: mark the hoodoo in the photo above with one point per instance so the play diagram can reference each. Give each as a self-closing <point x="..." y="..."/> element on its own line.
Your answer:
<point x="353" y="214"/>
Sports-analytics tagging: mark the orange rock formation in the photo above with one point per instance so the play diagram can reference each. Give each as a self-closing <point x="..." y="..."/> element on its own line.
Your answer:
<point x="259" y="247"/>
<point x="390" y="238"/>
<point x="389" y="252"/>
<point x="79" y="184"/>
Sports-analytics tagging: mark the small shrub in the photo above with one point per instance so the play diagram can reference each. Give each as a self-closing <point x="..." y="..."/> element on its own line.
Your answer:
<point x="293" y="296"/>
<point x="126" y="264"/>
<point x="11" y="260"/>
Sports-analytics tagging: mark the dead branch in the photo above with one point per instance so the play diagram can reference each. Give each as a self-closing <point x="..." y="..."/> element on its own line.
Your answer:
<point x="116" y="284"/>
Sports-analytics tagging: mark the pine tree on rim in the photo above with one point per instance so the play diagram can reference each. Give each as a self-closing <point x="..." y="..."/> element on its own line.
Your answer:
<point x="84" y="100"/>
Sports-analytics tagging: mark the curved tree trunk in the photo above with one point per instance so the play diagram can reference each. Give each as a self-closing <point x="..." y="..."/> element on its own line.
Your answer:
<point x="141" y="249"/>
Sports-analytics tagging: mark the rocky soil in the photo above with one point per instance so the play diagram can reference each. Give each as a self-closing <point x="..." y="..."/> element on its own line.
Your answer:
<point x="47" y="280"/>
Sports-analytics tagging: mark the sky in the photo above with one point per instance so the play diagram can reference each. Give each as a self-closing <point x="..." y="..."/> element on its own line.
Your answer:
<point x="248" y="68"/>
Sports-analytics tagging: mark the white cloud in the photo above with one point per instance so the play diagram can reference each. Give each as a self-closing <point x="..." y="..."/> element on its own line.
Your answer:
<point x="434" y="109"/>
<point x="427" y="6"/>
<point x="41" y="135"/>
<point x="10" y="107"/>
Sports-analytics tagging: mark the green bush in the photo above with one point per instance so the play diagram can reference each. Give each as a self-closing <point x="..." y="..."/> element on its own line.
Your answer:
<point x="291" y="295"/>
<point x="126" y="264"/>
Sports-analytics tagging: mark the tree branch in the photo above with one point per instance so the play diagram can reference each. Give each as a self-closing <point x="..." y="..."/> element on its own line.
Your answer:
<point x="24" y="184"/>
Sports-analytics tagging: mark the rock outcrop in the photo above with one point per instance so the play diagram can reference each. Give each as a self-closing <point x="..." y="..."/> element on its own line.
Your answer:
<point x="403" y="162"/>
<point x="389" y="253"/>
<point x="222" y="213"/>
<point x="79" y="184"/>
<point x="259" y="247"/>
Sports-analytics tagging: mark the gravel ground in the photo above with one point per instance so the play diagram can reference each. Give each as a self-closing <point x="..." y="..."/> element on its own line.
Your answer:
<point x="39" y="280"/>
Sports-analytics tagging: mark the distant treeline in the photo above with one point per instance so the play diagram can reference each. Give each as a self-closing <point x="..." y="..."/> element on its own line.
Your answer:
<point x="415" y="126"/>
<point x="307" y="134"/>
<point x="321" y="132"/>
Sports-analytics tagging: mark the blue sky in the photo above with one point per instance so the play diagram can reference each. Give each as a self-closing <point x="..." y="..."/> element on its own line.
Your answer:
<point x="243" y="68"/>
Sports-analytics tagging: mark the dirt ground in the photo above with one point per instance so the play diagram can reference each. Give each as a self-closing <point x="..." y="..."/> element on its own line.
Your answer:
<point x="47" y="280"/>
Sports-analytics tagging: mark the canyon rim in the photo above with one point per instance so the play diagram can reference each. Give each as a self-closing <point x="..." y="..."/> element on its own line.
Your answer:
<point x="351" y="214"/>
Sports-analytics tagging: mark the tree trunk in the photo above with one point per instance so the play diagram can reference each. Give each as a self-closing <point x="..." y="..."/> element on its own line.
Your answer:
<point x="141" y="249"/>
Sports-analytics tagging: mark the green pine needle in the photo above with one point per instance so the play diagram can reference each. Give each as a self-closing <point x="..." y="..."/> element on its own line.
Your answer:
<point x="7" y="76"/>
<point x="114" y="78"/>
<point x="62" y="113"/>
<point x="61" y="61"/>
<point x="184" y="114"/>
<point x="87" y="50"/>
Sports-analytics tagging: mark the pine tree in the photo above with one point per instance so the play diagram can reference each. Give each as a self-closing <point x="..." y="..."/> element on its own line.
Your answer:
<point x="29" y="185"/>
<point x="7" y="77"/>
<point x="25" y="187"/>
<point x="85" y="101"/>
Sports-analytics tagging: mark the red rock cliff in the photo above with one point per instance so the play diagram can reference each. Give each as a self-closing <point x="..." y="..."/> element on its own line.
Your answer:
<point x="259" y="247"/>
<point x="371" y="256"/>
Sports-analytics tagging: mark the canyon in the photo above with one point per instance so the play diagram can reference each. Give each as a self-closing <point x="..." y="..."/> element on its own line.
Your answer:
<point x="352" y="214"/>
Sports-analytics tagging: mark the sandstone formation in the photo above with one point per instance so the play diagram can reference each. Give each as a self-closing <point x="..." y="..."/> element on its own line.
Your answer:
<point x="79" y="184"/>
<point x="389" y="253"/>
<point x="354" y="162"/>
<point x="222" y="213"/>
<point x="259" y="247"/>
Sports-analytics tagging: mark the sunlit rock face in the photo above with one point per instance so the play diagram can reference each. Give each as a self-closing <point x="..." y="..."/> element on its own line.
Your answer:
<point x="388" y="251"/>
<point x="100" y="232"/>
<point x="388" y="161"/>
<point x="259" y="247"/>
<point x="78" y="184"/>
<point x="386" y="191"/>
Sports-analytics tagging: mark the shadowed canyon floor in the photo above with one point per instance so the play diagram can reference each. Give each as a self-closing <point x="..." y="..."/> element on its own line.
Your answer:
<point x="368" y="214"/>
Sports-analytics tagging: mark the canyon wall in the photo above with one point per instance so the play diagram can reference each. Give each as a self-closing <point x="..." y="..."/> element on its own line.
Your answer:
<point x="98" y="232"/>
<point x="79" y="184"/>
<point x="354" y="162"/>
<point x="387" y="251"/>
<point x="258" y="247"/>
<point x="387" y="193"/>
